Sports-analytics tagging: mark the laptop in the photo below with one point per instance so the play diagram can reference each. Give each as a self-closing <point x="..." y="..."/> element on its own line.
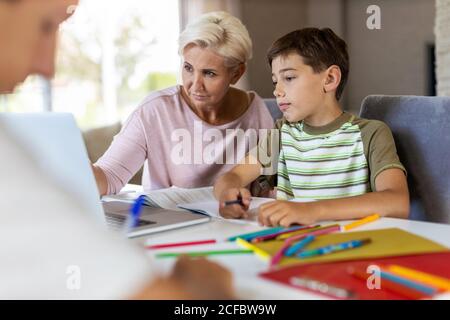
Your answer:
<point x="56" y="144"/>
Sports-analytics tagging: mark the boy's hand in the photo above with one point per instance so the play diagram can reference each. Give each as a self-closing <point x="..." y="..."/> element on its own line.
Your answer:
<point x="286" y="213"/>
<point x="234" y="211"/>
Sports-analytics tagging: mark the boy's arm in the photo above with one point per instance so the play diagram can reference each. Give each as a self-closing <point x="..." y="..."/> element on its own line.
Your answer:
<point x="229" y="186"/>
<point x="391" y="199"/>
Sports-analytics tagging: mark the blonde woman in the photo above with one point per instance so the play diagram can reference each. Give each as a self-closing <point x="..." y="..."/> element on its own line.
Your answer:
<point x="186" y="135"/>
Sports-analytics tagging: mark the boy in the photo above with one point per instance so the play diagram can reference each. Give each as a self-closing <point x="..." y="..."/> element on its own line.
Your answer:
<point x="333" y="165"/>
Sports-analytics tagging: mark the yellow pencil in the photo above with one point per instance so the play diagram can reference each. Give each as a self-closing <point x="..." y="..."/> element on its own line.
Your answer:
<point x="423" y="277"/>
<point x="360" y="222"/>
<point x="247" y="245"/>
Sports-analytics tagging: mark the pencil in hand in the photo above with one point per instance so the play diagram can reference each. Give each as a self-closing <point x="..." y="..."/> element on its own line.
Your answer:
<point x="238" y="201"/>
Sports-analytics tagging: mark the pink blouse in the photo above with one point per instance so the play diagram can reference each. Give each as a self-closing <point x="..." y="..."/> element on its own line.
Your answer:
<point x="178" y="148"/>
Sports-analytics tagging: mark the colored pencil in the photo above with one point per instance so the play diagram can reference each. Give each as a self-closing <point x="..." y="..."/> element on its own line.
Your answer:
<point x="299" y="245"/>
<point x="279" y="233"/>
<point x="259" y="252"/>
<point x="427" y="290"/>
<point x="251" y="235"/>
<point x="202" y="253"/>
<point x="313" y="231"/>
<point x="423" y="277"/>
<point x="394" y="287"/>
<point x="338" y="247"/>
<point x="288" y="242"/>
<point x="360" y="222"/>
<point x="180" y="244"/>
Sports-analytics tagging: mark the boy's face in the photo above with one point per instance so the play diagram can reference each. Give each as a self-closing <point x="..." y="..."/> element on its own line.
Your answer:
<point x="28" y="32"/>
<point x="298" y="89"/>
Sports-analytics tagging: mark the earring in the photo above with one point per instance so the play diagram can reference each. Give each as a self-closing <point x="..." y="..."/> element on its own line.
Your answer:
<point x="324" y="91"/>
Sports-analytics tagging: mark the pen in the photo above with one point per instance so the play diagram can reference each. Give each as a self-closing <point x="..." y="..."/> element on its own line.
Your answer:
<point x="333" y="248"/>
<point x="238" y="201"/>
<point x="135" y="211"/>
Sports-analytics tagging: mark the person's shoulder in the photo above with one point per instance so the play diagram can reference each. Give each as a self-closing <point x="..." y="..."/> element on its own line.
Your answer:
<point x="160" y="99"/>
<point x="370" y="126"/>
<point x="158" y="104"/>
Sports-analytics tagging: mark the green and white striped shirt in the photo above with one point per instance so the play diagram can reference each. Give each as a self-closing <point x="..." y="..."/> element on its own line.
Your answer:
<point x="341" y="159"/>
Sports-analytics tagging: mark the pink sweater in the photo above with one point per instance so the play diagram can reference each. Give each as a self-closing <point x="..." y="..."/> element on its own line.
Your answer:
<point x="176" y="147"/>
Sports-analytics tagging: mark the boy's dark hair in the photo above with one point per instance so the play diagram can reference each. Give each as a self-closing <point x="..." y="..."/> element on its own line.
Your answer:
<point x="319" y="48"/>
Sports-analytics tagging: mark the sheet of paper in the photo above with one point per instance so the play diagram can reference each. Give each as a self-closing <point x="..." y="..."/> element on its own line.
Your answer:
<point x="170" y="198"/>
<point x="211" y="208"/>
<point x="167" y="198"/>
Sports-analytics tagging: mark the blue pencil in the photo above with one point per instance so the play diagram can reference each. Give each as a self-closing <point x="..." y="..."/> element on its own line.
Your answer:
<point x="250" y="236"/>
<point x="408" y="283"/>
<point x="299" y="245"/>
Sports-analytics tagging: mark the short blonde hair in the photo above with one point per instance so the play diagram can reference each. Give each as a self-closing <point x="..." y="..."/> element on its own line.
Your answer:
<point x="222" y="33"/>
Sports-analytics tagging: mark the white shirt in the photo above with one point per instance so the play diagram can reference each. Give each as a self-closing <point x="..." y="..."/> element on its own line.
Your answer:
<point x="49" y="248"/>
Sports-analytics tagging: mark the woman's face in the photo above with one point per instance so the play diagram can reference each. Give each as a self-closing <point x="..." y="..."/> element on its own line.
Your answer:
<point x="205" y="77"/>
<point x="28" y="33"/>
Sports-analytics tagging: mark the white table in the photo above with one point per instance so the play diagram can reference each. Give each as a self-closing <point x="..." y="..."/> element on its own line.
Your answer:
<point x="246" y="267"/>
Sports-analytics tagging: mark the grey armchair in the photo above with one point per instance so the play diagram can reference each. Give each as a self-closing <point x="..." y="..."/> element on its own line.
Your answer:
<point x="421" y="129"/>
<point x="273" y="108"/>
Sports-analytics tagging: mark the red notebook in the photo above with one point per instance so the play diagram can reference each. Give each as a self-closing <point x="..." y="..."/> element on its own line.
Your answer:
<point x="337" y="273"/>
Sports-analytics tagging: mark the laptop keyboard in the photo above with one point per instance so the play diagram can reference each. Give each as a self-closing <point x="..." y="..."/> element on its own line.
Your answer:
<point x="116" y="221"/>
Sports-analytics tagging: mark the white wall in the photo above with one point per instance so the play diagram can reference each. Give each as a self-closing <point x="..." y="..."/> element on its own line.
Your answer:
<point x="391" y="60"/>
<point x="387" y="61"/>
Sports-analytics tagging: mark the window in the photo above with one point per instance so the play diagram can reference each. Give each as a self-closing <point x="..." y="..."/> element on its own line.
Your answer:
<point x="111" y="55"/>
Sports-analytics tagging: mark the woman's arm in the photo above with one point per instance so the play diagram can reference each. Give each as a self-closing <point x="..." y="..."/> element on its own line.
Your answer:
<point x="124" y="157"/>
<point x="100" y="178"/>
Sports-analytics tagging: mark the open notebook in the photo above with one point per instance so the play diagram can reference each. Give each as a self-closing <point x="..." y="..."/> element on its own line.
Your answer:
<point x="199" y="200"/>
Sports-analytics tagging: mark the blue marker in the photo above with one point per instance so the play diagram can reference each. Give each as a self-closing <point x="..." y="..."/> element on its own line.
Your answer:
<point x="333" y="248"/>
<point x="299" y="245"/>
<point x="135" y="211"/>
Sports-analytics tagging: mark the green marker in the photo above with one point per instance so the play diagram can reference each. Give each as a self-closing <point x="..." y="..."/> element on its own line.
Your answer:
<point x="203" y="253"/>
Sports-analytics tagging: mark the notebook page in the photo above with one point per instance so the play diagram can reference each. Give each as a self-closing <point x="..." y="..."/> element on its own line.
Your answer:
<point x="211" y="208"/>
<point x="169" y="198"/>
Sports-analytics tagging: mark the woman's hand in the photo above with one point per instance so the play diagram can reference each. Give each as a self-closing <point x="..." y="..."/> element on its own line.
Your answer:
<point x="235" y="211"/>
<point x="287" y="213"/>
<point x="191" y="278"/>
<point x="203" y="279"/>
